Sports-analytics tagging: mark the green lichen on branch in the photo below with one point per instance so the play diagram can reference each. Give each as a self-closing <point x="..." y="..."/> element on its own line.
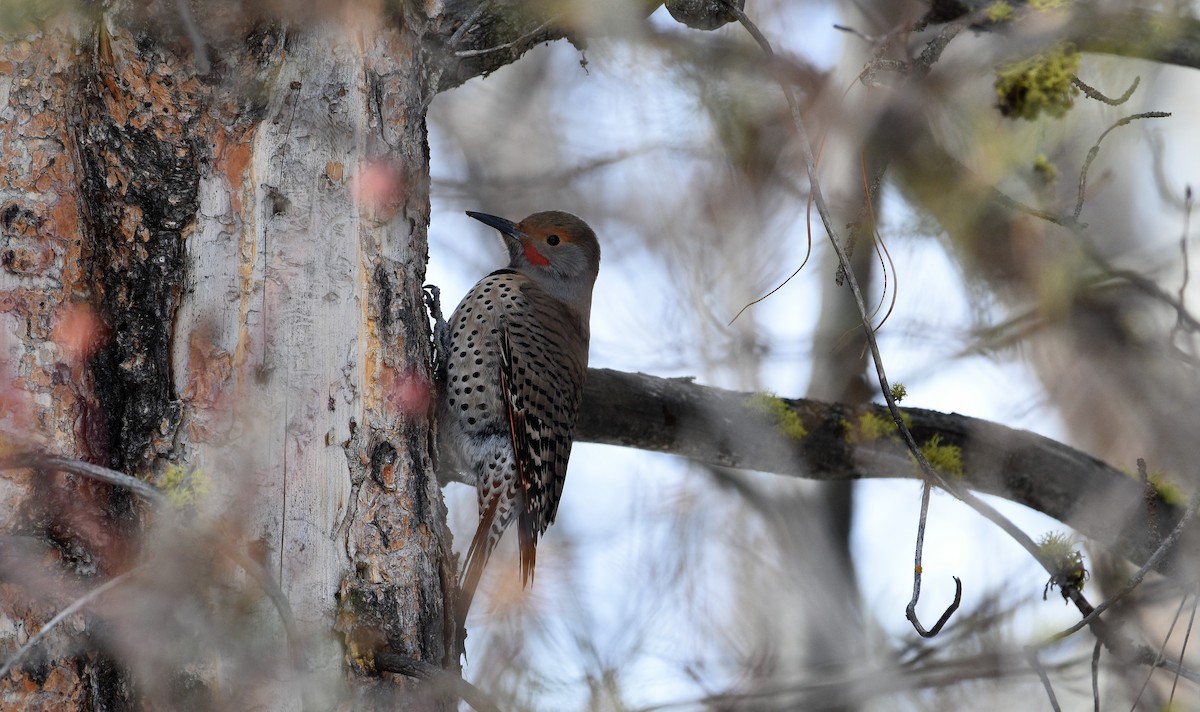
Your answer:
<point x="1167" y="491"/>
<point x="1040" y="84"/>
<point x="871" y="426"/>
<point x="1049" y="4"/>
<point x="775" y="408"/>
<point x="999" y="11"/>
<point x="1045" y="173"/>
<point x="1066" y="564"/>
<point x="867" y="427"/>
<point x="944" y="458"/>
<point x="184" y="488"/>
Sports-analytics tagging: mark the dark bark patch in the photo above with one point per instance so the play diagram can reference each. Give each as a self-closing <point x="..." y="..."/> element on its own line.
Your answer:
<point x="140" y="165"/>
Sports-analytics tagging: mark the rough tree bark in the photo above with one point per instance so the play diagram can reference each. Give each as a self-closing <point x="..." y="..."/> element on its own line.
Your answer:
<point x="214" y="250"/>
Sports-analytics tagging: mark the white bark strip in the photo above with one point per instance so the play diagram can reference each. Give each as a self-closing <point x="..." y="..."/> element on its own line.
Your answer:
<point x="279" y="302"/>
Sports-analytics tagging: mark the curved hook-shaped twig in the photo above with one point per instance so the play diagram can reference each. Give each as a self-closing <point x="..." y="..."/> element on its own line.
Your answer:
<point x="911" y="611"/>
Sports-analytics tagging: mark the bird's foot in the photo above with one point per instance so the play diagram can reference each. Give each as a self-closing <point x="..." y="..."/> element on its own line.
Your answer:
<point x="441" y="330"/>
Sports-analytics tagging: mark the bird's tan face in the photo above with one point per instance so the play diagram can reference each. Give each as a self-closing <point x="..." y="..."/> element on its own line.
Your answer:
<point x="553" y="248"/>
<point x="559" y="243"/>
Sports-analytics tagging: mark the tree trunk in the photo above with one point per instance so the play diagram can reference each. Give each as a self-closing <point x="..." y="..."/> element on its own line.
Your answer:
<point x="221" y="274"/>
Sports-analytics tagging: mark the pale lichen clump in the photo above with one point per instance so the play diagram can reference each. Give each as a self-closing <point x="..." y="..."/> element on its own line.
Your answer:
<point x="999" y="11"/>
<point x="1066" y="563"/>
<point x="1040" y="84"/>
<point x="184" y="488"/>
<point x="1044" y="171"/>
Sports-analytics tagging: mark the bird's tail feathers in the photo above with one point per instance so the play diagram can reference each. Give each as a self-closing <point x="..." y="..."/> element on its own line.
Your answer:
<point x="486" y="535"/>
<point x="527" y="535"/>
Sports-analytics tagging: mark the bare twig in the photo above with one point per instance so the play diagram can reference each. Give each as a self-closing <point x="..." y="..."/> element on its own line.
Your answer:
<point x="1183" y="648"/>
<point x="910" y="611"/>
<point x="1184" y="318"/>
<point x="270" y="586"/>
<point x="1095" y="149"/>
<point x="1158" y="654"/>
<point x="507" y="45"/>
<point x="1032" y="654"/>
<point x="870" y="39"/>
<point x="467" y="24"/>
<point x="149" y="492"/>
<point x="76" y="605"/>
<point x="1096" y="674"/>
<point x="447" y="681"/>
<point x="1094" y="93"/>
<point x="777" y="287"/>
<point x="1183" y="249"/>
<point x="39" y="460"/>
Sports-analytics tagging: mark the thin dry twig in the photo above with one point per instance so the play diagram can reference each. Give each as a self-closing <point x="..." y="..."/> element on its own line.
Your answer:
<point x="1159" y="653"/>
<point x="152" y="494"/>
<point x="1095" y="150"/>
<point x="1032" y="654"/>
<point x="1094" y="93"/>
<point x="37" y="460"/>
<point x="76" y="605"/>
<point x="777" y="287"/>
<point x="1187" y="635"/>
<point x="1183" y="249"/>
<point x="1147" y="286"/>
<point x="467" y="24"/>
<point x="910" y="611"/>
<point x="507" y="45"/>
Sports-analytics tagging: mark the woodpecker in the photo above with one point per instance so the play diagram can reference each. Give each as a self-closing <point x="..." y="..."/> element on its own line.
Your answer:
<point x="517" y="353"/>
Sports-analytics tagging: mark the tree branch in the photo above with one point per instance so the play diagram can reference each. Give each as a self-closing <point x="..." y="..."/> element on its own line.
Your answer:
<point x="728" y="429"/>
<point x="476" y="38"/>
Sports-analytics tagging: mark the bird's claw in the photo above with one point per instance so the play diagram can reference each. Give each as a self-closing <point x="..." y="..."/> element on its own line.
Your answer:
<point x="441" y="331"/>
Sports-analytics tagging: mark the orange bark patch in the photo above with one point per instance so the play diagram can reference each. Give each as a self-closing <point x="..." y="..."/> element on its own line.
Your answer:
<point x="206" y="388"/>
<point x="78" y="332"/>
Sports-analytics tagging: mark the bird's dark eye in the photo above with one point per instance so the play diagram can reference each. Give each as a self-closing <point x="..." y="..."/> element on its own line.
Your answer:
<point x="552" y="240"/>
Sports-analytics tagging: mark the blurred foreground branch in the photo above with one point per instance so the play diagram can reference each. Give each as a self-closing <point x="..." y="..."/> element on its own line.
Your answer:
<point x="729" y="429"/>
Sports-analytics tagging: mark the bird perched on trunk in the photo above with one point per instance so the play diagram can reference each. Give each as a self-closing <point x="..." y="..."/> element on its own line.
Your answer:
<point x="516" y="356"/>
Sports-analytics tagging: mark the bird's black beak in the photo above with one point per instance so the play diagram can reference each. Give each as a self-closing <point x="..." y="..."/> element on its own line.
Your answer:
<point x="508" y="228"/>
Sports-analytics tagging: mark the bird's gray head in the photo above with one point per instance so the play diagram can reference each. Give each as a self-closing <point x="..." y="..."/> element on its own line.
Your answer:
<point x="556" y="250"/>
